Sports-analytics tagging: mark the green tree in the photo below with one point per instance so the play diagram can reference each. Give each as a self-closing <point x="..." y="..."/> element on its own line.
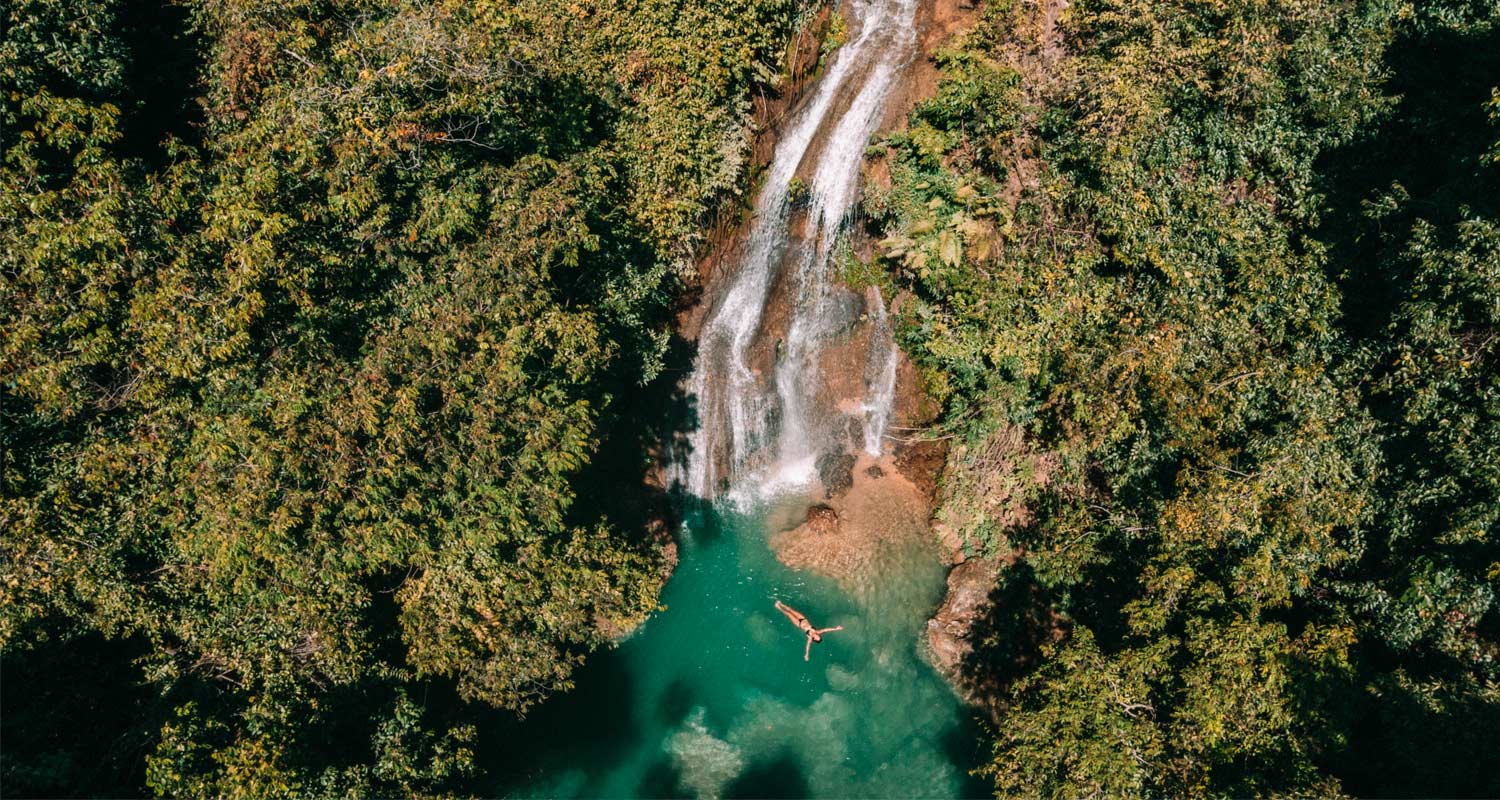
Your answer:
<point x="301" y="390"/>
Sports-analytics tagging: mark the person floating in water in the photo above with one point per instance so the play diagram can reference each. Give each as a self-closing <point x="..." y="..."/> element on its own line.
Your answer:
<point x="813" y="634"/>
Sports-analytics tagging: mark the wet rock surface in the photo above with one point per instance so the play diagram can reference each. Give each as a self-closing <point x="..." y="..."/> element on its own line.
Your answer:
<point x="836" y="472"/>
<point x="854" y="536"/>
<point x="967" y="601"/>
<point x="875" y="511"/>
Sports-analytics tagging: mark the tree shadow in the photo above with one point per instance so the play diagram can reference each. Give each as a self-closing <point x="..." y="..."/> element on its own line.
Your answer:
<point x="79" y="718"/>
<point x="628" y="481"/>
<point x="967" y="746"/>
<point x="600" y="716"/>
<point x="1100" y="600"/>
<point x="167" y="57"/>
<point x="1006" y="641"/>
<point x="1432" y="733"/>
<point x="1402" y="741"/>
<point x="1431" y="145"/>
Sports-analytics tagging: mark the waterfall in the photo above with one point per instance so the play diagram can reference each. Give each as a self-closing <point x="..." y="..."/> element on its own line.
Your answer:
<point x="764" y="433"/>
<point x="883" y="360"/>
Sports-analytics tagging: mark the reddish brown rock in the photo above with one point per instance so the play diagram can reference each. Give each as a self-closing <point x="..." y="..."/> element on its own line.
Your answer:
<point x="852" y="537"/>
<point x="969" y="587"/>
<point x="952" y="544"/>
<point x="822" y="519"/>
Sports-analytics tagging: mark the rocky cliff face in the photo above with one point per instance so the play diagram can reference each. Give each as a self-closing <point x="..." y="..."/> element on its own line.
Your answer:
<point x="948" y="632"/>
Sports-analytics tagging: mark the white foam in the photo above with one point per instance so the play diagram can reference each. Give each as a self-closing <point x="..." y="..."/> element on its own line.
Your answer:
<point x="770" y="439"/>
<point x="880" y="380"/>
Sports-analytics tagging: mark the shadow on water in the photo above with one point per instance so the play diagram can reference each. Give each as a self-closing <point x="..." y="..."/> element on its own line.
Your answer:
<point x="712" y="695"/>
<point x="662" y="780"/>
<point x="676" y="703"/>
<point x="780" y="777"/>
<point x="600" y="718"/>
<point x="626" y="483"/>
<point x="965" y="745"/>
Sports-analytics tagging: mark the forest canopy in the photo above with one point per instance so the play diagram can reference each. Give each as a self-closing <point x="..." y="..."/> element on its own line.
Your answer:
<point x="316" y="317"/>
<point x="1211" y="294"/>
<point x="333" y="351"/>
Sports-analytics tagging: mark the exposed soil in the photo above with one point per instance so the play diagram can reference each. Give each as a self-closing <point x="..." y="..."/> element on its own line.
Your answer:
<point x="994" y="479"/>
<point x="1051" y="35"/>
<point x="1036" y="49"/>
<point x="939" y="21"/>
<point x="921" y="461"/>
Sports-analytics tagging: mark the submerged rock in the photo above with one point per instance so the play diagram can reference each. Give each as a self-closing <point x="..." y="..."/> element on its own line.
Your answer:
<point x="874" y="526"/>
<point x="706" y="763"/>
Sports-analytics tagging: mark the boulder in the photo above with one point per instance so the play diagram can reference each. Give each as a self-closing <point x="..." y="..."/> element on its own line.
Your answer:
<point x="968" y="599"/>
<point x="822" y="519"/>
<point x="836" y="471"/>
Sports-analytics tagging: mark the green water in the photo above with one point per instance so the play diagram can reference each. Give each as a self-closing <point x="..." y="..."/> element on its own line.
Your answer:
<point x="711" y="698"/>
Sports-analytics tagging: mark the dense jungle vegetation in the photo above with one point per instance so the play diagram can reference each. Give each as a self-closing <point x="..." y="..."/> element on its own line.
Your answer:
<point x="1211" y="294"/>
<point x="331" y="335"/>
<point x="326" y="328"/>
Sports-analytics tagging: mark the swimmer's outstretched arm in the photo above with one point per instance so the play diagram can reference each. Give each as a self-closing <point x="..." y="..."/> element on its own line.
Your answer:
<point x="822" y="631"/>
<point x="807" y="651"/>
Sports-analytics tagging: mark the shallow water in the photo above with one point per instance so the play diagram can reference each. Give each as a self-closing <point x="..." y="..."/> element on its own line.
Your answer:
<point x="711" y="698"/>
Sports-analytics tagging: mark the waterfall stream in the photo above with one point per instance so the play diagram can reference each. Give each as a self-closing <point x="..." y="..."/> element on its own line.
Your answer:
<point x="712" y="697"/>
<point x="755" y="435"/>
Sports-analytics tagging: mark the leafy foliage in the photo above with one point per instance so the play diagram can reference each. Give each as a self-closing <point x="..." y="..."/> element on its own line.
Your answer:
<point x="301" y="395"/>
<point x="1195" y="297"/>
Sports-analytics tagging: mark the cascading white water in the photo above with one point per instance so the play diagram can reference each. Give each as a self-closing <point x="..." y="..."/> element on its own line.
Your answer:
<point x="768" y="437"/>
<point x="883" y="360"/>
